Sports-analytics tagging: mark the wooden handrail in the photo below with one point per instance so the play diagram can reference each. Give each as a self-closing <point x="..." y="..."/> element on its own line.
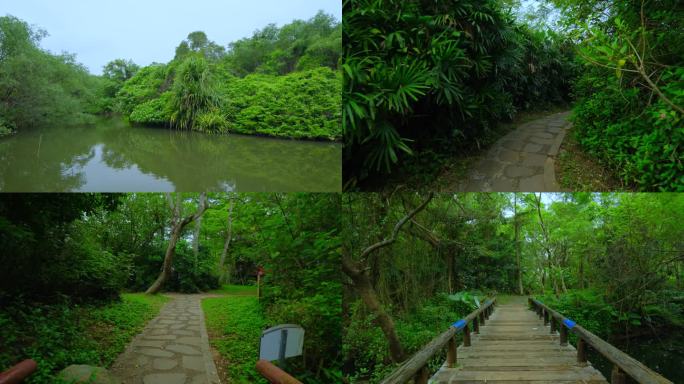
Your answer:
<point x="622" y="362"/>
<point x="18" y="372"/>
<point x="274" y="374"/>
<point x="416" y="366"/>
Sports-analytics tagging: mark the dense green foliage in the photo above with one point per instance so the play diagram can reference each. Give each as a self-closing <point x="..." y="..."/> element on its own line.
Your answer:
<point x="281" y="82"/>
<point x="37" y="87"/>
<point x="367" y="344"/>
<point x="439" y="76"/>
<point x="297" y="46"/>
<point x="295" y="239"/>
<point x="630" y="110"/>
<point x="64" y="333"/>
<point x="611" y="262"/>
<point x="85" y="249"/>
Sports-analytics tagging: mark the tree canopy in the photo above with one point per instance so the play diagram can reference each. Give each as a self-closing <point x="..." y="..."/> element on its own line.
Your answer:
<point x="415" y="263"/>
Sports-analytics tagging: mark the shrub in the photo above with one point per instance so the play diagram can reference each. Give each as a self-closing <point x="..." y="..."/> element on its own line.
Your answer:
<point x="143" y="86"/>
<point x="641" y="142"/>
<point x="299" y="105"/>
<point x="211" y="122"/>
<point x="61" y="334"/>
<point x="192" y="93"/>
<point x="153" y="112"/>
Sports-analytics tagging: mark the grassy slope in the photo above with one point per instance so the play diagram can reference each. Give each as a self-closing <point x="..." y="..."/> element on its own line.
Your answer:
<point x="234" y="324"/>
<point x="60" y="335"/>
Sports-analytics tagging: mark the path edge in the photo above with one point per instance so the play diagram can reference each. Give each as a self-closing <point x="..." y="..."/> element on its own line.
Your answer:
<point x="550" y="180"/>
<point x="210" y="366"/>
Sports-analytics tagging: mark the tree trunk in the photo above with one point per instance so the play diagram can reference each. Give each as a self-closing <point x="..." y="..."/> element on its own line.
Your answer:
<point x="229" y="237"/>
<point x="196" y="235"/>
<point x="176" y="232"/>
<point x="516" y="223"/>
<point x="450" y="271"/>
<point x="581" y="271"/>
<point x="364" y="288"/>
<point x="359" y="274"/>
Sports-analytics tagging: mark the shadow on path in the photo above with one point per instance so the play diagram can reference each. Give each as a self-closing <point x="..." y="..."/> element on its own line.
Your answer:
<point x="523" y="160"/>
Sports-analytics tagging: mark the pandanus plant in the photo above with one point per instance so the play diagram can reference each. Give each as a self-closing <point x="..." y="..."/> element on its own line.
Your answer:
<point x="193" y="93"/>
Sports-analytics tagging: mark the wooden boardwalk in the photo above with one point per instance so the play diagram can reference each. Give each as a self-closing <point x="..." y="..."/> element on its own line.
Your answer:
<point x="516" y="347"/>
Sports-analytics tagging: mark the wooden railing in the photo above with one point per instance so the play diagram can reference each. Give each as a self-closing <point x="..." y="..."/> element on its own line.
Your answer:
<point x="623" y="364"/>
<point x="273" y="374"/>
<point x="416" y="367"/>
<point x="19" y="372"/>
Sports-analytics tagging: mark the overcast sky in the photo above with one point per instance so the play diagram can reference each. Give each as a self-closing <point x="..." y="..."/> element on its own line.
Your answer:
<point x="98" y="31"/>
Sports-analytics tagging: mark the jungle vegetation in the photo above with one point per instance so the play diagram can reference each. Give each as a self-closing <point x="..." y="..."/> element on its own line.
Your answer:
<point x="81" y="262"/>
<point x="282" y="81"/>
<point x="424" y="82"/>
<point x="415" y="263"/>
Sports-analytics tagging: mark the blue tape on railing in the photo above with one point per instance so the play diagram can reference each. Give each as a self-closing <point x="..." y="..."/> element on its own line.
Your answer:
<point x="459" y="324"/>
<point x="569" y="323"/>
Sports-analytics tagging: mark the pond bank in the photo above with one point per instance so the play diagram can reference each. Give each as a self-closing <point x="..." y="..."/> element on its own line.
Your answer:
<point x="112" y="156"/>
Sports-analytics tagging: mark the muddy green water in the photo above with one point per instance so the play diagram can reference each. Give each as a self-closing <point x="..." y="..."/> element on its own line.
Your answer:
<point x="111" y="156"/>
<point x="662" y="353"/>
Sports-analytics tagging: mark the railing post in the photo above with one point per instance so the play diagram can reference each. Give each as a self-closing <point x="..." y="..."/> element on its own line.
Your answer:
<point x="466" y="336"/>
<point x="422" y="375"/>
<point x="546" y="317"/>
<point x="482" y="317"/>
<point x="563" y="335"/>
<point x="452" y="356"/>
<point x="476" y="325"/>
<point x="553" y="325"/>
<point x="617" y="376"/>
<point x="581" y="352"/>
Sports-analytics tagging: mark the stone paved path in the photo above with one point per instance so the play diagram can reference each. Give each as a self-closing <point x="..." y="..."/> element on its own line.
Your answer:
<point x="172" y="349"/>
<point x="523" y="160"/>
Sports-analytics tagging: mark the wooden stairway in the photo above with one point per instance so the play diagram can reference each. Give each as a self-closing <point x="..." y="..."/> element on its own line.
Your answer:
<point x="516" y="347"/>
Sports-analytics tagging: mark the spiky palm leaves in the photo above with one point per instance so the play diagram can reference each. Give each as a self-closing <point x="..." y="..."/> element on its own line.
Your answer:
<point x="406" y="62"/>
<point x="193" y="93"/>
<point x="417" y="70"/>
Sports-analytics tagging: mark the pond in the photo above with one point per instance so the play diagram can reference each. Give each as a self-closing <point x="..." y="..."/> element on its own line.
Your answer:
<point x="111" y="156"/>
<point x="662" y="353"/>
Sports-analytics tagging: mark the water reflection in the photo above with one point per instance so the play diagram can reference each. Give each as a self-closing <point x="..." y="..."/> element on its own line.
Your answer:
<point x="111" y="156"/>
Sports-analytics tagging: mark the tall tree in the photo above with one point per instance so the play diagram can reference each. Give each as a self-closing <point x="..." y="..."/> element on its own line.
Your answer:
<point x="358" y="273"/>
<point x="177" y="226"/>
<point x="223" y="275"/>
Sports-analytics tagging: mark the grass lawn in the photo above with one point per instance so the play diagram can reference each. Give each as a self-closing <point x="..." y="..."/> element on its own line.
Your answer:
<point x="234" y="324"/>
<point x="235" y="290"/>
<point x="58" y="335"/>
